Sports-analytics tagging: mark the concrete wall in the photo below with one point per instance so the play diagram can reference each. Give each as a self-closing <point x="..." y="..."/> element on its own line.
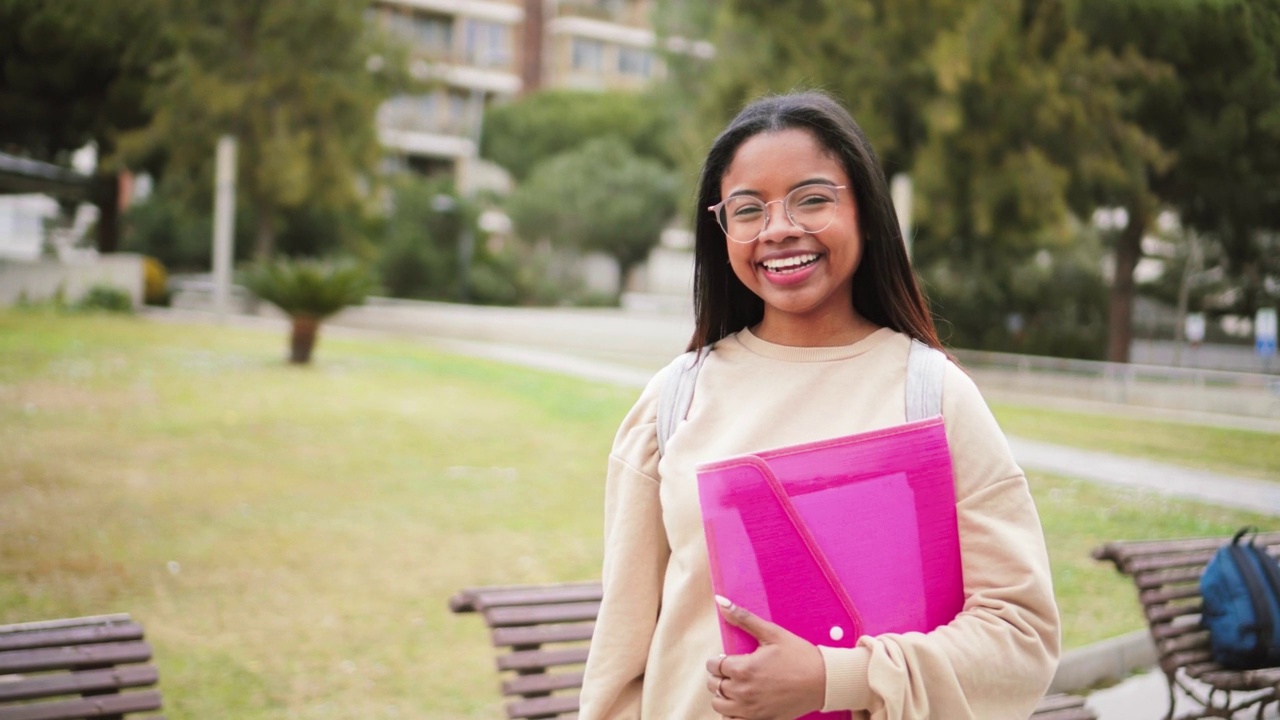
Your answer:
<point x="41" y="280"/>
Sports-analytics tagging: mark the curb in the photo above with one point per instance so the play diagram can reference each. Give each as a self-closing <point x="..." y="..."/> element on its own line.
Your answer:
<point x="1107" y="661"/>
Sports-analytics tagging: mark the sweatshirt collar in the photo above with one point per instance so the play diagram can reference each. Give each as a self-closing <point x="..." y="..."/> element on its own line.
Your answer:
<point x="812" y="354"/>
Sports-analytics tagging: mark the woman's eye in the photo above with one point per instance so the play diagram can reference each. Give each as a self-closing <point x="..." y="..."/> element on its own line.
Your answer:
<point x="747" y="211"/>
<point x="814" y="199"/>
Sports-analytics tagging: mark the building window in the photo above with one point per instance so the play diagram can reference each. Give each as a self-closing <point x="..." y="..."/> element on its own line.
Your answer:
<point x="588" y="55"/>
<point x="635" y="61"/>
<point x="458" y="115"/>
<point x="432" y="33"/>
<point x="488" y="44"/>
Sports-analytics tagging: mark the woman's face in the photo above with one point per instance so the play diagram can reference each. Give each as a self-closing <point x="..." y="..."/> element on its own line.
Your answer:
<point x="801" y="276"/>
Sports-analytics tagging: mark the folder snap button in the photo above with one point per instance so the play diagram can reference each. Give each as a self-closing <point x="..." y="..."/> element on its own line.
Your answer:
<point x="837" y="633"/>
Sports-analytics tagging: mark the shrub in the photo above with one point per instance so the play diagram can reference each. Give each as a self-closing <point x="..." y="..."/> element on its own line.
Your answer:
<point x="308" y="291"/>
<point x="106" y="298"/>
<point x="155" y="282"/>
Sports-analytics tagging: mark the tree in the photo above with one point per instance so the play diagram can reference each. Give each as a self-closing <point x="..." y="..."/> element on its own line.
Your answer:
<point x="1002" y="113"/>
<point x="601" y="197"/>
<point x="1218" y="114"/>
<point x="75" y="73"/>
<point x="308" y="291"/>
<point x="297" y="83"/>
<point x="523" y="133"/>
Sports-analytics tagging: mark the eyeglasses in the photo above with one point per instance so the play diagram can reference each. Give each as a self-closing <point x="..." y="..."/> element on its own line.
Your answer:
<point x="812" y="208"/>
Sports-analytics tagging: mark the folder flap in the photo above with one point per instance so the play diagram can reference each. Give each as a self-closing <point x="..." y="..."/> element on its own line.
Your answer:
<point x="762" y="562"/>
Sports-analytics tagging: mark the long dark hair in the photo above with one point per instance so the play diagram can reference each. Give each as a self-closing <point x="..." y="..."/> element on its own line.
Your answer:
<point x="885" y="290"/>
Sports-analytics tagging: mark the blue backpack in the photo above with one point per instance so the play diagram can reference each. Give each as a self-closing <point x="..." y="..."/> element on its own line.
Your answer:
<point x="1241" y="592"/>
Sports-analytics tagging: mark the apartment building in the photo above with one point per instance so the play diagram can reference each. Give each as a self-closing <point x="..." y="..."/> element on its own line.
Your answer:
<point x="471" y="50"/>
<point x="487" y="51"/>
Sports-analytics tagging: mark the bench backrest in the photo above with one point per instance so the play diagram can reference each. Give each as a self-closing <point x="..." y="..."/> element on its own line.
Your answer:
<point x="542" y="633"/>
<point x="90" y="667"/>
<point x="1167" y="576"/>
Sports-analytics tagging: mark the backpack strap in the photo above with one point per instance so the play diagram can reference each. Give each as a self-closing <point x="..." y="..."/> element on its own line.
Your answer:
<point x="1248" y="565"/>
<point x="677" y="393"/>
<point x="926" y="368"/>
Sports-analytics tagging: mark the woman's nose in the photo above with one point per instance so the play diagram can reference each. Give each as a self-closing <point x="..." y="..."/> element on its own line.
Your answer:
<point x="778" y="225"/>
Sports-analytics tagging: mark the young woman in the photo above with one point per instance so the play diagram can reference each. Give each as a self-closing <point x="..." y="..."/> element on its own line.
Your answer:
<point x="805" y="294"/>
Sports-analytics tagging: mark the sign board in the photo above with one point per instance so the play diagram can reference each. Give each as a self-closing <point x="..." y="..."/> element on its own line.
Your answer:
<point x="1265" y="331"/>
<point x="1194" y="328"/>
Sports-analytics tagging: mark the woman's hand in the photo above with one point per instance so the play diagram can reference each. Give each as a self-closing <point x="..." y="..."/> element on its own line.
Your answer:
<point x="782" y="679"/>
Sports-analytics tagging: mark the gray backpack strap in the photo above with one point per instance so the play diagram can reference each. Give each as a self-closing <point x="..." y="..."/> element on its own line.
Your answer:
<point x="926" y="368"/>
<point x="677" y="394"/>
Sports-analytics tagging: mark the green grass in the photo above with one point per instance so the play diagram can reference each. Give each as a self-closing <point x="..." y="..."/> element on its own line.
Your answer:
<point x="1238" y="452"/>
<point x="289" y="536"/>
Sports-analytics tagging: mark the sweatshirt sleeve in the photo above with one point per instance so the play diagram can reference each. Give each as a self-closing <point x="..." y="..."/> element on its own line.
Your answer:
<point x="996" y="659"/>
<point x="635" y="561"/>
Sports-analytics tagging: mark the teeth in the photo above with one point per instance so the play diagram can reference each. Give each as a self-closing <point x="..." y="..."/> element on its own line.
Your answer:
<point x="790" y="262"/>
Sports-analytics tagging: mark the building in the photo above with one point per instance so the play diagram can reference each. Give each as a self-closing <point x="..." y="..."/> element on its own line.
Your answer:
<point x="471" y="47"/>
<point x="491" y="51"/>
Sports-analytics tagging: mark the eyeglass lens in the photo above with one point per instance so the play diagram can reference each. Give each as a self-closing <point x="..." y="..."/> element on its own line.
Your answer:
<point x="810" y="207"/>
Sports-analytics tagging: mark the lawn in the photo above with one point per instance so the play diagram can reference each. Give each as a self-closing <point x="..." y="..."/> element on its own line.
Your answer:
<point x="289" y="536"/>
<point x="1235" y="452"/>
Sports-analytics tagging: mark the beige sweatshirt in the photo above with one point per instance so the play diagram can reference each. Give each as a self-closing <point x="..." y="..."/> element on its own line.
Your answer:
<point x="657" y="624"/>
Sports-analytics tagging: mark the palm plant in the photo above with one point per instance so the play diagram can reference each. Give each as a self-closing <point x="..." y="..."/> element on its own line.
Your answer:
<point x="308" y="291"/>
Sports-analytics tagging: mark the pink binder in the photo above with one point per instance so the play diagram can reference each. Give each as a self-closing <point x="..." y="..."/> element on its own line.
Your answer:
<point x="839" y="538"/>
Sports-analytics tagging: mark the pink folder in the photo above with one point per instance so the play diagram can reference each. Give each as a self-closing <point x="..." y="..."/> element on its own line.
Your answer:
<point x="839" y="538"/>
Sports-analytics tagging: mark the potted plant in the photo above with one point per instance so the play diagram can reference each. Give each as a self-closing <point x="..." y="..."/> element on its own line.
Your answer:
<point x="308" y="291"/>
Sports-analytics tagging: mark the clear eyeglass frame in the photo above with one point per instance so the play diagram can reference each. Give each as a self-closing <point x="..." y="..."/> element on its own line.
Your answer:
<point x="719" y="210"/>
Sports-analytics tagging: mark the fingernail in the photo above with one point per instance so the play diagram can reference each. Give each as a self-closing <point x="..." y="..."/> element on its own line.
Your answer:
<point x="723" y="602"/>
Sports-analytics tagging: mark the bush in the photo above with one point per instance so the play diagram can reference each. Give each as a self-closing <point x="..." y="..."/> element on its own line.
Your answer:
<point x="106" y="298"/>
<point x="418" y="257"/>
<point x="155" y="282"/>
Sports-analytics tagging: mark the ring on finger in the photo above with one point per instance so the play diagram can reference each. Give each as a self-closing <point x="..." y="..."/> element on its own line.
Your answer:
<point x="720" y="666"/>
<point x="720" y="688"/>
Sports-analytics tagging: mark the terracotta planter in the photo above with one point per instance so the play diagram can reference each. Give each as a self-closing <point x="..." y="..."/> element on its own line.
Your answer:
<point x="303" y="339"/>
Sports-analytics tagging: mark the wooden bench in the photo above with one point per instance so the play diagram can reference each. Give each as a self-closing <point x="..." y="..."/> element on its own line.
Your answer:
<point x="78" y="668"/>
<point x="542" y="633"/>
<point x="1167" y="576"/>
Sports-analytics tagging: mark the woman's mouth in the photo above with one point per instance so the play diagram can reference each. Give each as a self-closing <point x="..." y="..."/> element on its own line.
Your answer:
<point x="788" y="265"/>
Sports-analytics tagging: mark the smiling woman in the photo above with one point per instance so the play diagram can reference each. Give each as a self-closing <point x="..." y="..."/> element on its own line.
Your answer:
<point x="809" y="329"/>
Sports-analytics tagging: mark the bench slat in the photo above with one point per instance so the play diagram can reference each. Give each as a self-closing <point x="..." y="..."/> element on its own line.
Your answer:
<point x="1159" y="578"/>
<point x="547" y="707"/>
<point x="100" y="706"/>
<point x="540" y="596"/>
<point x="75" y="656"/>
<point x="1119" y="550"/>
<point x="1167" y="613"/>
<point x="53" y="684"/>
<point x="541" y="683"/>
<point x="1176" y="628"/>
<point x="65" y="623"/>
<point x="473" y="599"/>
<point x="541" y="614"/>
<point x="1169" y="593"/>
<point x="542" y="634"/>
<point x="29" y="639"/>
<point x="539" y="659"/>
